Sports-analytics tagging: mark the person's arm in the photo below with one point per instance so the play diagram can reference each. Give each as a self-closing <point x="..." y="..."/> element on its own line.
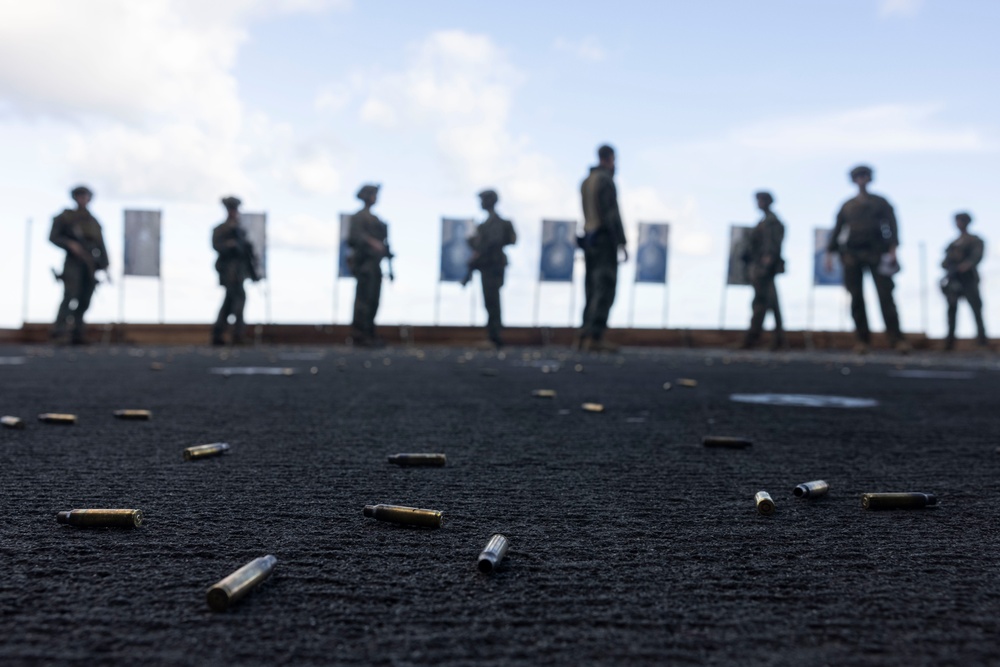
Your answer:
<point x="772" y="242"/>
<point x="889" y="219"/>
<point x="60" y="238"/>
<point x="976" y="250"/>
<point x="833" y="241"/>
<point x="511" y="234"/>
<point x="102" y="262"/>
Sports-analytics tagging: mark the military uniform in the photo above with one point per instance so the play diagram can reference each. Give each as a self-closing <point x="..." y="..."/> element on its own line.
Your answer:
<point x="366" y="265"/>
<point x="960" y="261"/>
<point x="235" y="265"/>
<point x="603" y="235"/>
<point x="78" y="275"/>
<point x="764" y="262"/>
<point x="864" y="231"/>
<point x="488" y="243"/>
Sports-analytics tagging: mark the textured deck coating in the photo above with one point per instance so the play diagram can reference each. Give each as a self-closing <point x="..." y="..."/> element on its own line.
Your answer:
<point x="630" y="542"/>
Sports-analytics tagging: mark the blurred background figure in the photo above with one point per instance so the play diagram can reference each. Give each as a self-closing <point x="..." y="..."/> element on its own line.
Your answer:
<point x="962" y="280"/>
<point x="235" y="264"/>
<point x="764" y="262"/>
<point x="77" y="232"/>
<point x="488" y="258"/>
<point x="368" y="239"/>
<point x="603" y="238"/>
<point x="866" y="237"/>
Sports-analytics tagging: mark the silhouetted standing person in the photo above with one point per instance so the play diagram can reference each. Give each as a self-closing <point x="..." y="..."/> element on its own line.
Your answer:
<point x="78" y="232"/>
<point x="488" y="257"/>
<point x="866" y="237"/>
<point x="764" y="262"/>
<point x="369" y="245"/>
<point x="235" y="264"/>
<point x="603" y="236"/>
<point x="961" y="260"/>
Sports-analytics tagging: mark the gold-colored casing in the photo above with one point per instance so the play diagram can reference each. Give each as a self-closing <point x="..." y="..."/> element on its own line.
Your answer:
<point x="236" y="586"/>
<point x="544" y="393"/>
<point x="687" y="382"/>
<point x="592" y="407"/>
<point x="205" y="451"/>
<point x="419" y="459"/>
<point x="408" y="516"/>
<point x="897" y="501"/>
<point x="725" y="441"/>
<point x="56" y="418"/>
<point x="134" y="415"/>
<point x="765" y="505"/>
<point x="101" y="518"/>
<point x="812" y="489"/>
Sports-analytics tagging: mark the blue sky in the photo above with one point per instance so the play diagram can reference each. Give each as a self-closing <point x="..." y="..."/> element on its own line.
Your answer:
<point x="292" y="104"/>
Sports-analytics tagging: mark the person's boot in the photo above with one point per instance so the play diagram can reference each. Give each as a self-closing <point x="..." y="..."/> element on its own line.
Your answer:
<point x="949" y="344"/>
<point x="779" y="342"/>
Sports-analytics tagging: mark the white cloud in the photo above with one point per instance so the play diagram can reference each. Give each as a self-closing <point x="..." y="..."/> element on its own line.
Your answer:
<point x="459" y="87"/>
<point x="316" y="175"/>
<point x="888" y="8"/>
<point x="646" y="204"/>
<point x="146" y="93"/>
<point x="304" y="233"/>
<point x="588" y="48"/>
<point x="890" y="128"/>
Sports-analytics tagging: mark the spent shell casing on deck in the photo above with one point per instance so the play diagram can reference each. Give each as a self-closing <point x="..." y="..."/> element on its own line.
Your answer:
<point x="136" y="415"/>
<point x="11" y="422"/>
<point x="418" y="459"/>
<point x="726" y="441"/>
<point x="101" y="518"/>
<point x="897" y="501"/>
<point x="494" y="552"/>
<point x="687" y="382"/>
<point x="811" y="489"/>
<point x="408" y="516"/>
<point x="544" y="393"/>
<point x="56" y="418"/>
<point x="765" y="505"/>
<point x="592" y="407"/>
<point x="204" y="451"/>
<point x="234" y="587"/>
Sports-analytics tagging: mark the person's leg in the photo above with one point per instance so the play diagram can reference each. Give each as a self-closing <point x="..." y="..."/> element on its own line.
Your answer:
<point x="949" y="341"/>
<point x="222" y="321"/>
<point x="359" y="323"/>
<point x="374" y="298"/>
<point x="884" y="285"/>
<point x="71" y="287"/>
<point x="238" y="302"/>
<point x="758" y="309"/>
<point x="492" y="280"/>
<point x="88" y="283"/>
<point x="970" y="289"/>
<point x="605" y="286"/>
<point x="853" y="275"/>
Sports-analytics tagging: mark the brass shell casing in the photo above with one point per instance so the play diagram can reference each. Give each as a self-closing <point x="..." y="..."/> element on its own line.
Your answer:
<point x="133" y="415"/>
<point x="205" y="451"/>
<point x="765" y="505"/>
<point x="592" y="407"/>
<point x="813" y="489"/>
<point x="57" y="418"/>
<point x="897" y="501"/>
<point x="726" y="442"/>
<point x="101" y="518"/>
<point x="687" y="382"/>
<point x="236" y="586"/>
<point x="493" y="553"/>
<point x="418" y="460"/>
<point x="12" y="422"/>
<point x="408" y="516"/>
<point x="543" y="393"/>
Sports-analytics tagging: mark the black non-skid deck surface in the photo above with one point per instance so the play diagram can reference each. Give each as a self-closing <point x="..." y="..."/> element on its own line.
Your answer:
<point x="631" y="543"/>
